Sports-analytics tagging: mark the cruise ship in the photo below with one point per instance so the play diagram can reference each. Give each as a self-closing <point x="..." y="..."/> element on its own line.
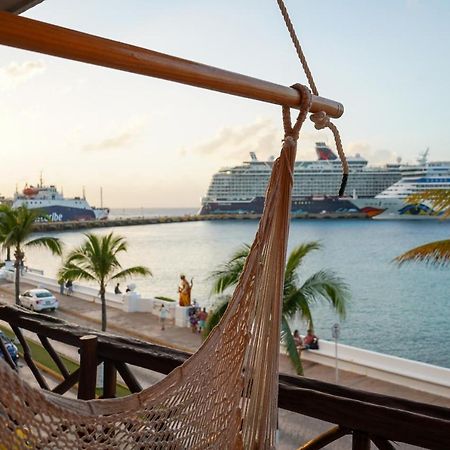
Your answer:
<point x="54" y="207"/>
<point x="241" y="189"/>
<point x="393" y="202"/>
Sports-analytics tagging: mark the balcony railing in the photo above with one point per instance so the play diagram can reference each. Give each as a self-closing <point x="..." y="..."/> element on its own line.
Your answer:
<point x="367" y="417"/>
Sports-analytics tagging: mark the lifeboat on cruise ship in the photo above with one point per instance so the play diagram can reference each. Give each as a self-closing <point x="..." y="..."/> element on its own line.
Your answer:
<point x="30" y="191"/>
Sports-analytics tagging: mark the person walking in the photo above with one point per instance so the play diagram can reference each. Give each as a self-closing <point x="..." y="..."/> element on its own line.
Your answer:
<point x="202" y="317"/>
<point x="163" y="313"/>
<point x="69" y="287"/>
<point x="61" y="287"/>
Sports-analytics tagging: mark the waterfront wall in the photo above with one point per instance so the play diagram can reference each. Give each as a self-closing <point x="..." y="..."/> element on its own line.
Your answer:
<point x="412" y="374"/>
<point x="125" y="222"/>
<point x="405" y="372"/>
<point x="127" y="302"/>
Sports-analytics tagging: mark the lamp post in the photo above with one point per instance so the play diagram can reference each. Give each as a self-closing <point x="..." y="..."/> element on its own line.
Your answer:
<point x="335" y="332"/>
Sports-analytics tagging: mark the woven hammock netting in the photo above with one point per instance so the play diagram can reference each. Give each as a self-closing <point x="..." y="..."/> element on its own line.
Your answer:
<point x="224" y="397"/>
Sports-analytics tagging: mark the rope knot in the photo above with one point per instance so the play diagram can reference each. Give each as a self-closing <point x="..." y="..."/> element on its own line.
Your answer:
<point x="321" y="120"/>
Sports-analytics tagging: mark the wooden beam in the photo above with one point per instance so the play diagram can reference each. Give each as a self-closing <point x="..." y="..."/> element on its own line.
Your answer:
<point x="29" y="358"/>
<point x="88" y="367"/>
<point x="326" y="438"/>
<point x="51" y="351"/>
<point x="33" y="35"/>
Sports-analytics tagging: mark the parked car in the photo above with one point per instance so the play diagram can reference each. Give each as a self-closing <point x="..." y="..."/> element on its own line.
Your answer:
<point x="12" y="349"/>
<point x="38" y="300"/>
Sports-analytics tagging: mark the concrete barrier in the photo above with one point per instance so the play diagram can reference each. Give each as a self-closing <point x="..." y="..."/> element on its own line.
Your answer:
<point x="129" y="302"/>
<point x="405" y="372"/>
<point x="412" y="374"/>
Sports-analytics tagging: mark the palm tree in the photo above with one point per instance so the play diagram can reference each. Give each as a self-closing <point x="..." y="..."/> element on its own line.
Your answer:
<point x="16" y="227"/>
<point x="324" y="285"/>
<point x="435" y="253"/>
<point x="438" y="198"/>
<point x="96" y="260"/>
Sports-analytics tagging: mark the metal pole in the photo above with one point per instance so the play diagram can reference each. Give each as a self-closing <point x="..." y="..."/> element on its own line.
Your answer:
<point x="336" y="357"/>
<point x="335" y="331"/>
<point x="33" y="35"/>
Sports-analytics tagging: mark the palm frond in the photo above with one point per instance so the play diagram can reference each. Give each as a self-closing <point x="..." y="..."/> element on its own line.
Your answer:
<point x="53" y="244"/>
<point x="294" y="262"/>
<point x="434" y="253"/>
<point x="228" y="274"/>
<point x="16" y="225"/>
<point x="73" y="272"/>
<point x="297" y="302"/>
<point x="326" y="286"/>
<point x="288" y="340"/>
<point x="438" y="198"/>
<point x="136" y="270"/>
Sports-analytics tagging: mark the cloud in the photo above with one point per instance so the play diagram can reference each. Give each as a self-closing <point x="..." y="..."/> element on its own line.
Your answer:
<point x="15" y="74"/>
<point x="374" y="156"/>
<point x="118" y="139"/>
<point x="261" y="136"/>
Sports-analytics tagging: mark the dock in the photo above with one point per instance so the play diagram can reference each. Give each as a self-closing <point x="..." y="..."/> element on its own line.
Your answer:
<point x="133" y="221"/>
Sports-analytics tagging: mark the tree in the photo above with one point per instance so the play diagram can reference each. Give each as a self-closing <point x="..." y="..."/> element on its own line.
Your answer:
<point x="324" y="285"/>
<point x="435" y="253"/>
<point x="16" y="227"/>
<point x="96" y="260"/>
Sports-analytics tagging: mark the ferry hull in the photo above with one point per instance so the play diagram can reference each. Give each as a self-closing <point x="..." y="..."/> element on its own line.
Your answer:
<point x="299" y="206"/>
<point x="64" y="214"/>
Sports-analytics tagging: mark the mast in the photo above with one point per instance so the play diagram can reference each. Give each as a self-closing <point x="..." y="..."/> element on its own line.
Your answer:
<point x="101" y="197"/>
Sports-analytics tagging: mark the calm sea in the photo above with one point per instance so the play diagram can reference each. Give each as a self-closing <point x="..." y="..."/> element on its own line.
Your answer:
<point x="400" y="311"/>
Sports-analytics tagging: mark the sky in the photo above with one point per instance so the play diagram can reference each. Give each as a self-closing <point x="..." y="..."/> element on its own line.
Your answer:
<point x="154" y="143"/>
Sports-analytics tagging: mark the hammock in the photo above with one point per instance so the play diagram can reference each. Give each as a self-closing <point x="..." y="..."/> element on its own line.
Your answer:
<point x="223" y="397"/>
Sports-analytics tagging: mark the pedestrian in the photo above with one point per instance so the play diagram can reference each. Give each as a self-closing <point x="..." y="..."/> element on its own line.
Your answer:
<point x="298" y="341"/>
<point x="163" y="313"/>
<point x="202" y="316"/>
<point x="117" y="289"/>
<point x="61" y="287"/>
<point x="311" y="341"/>
<point x="193" y="321"/>
<point x="69" y="287"/>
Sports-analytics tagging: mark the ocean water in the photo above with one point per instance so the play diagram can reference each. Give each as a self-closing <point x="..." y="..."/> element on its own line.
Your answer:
<point x="399" y="311"/>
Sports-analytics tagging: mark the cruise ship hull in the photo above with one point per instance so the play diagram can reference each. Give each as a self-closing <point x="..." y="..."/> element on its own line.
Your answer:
<point x="304" y="205"/>
<point x="396" y="209"/>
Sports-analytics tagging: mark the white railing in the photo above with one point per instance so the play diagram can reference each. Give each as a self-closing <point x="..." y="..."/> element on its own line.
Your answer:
<point x="405" y="372"/>
<point x="400" y="371"/>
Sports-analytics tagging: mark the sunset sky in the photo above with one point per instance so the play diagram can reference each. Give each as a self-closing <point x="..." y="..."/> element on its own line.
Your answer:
<point x="153" y="143"/>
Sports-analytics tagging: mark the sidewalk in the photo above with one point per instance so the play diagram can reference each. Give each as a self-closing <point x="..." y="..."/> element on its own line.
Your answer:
<point x="145" y="326"/>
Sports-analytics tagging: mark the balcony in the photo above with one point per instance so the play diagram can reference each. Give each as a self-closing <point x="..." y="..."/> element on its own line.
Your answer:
<point x="363" y="417"/>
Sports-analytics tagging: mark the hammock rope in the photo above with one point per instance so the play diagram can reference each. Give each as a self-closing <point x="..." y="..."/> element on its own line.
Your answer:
<point x="320" y="119"/>
<point x="223" y="397"/>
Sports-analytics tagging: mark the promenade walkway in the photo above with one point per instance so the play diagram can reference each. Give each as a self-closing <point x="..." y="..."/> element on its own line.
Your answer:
<point x="294" y="429"/>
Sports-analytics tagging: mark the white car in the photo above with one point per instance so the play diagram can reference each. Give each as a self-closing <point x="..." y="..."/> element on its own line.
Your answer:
<point x="38" y="300"/>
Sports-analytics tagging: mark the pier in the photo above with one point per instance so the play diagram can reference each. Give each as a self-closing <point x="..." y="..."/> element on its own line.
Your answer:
<point x="131" y="221"/>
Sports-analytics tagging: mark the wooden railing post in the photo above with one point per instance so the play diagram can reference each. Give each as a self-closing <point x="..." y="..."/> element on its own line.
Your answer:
<point x="361" y="441"/>
<point x="88" y="367"/>
<point x="109" y="379"/>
